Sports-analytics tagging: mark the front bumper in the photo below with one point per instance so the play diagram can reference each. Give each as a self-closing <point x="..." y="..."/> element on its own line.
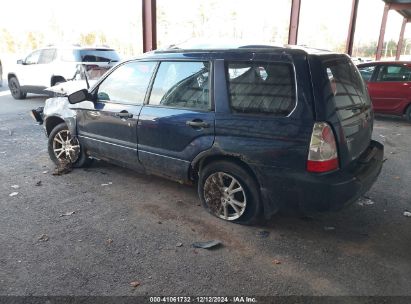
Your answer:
<point x="37" y="115"/>
<point x="322" y="192"/>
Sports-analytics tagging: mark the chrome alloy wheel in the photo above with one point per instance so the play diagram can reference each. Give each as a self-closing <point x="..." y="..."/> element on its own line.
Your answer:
<point x="225" y="196"/>
<point x="66" y="148"/>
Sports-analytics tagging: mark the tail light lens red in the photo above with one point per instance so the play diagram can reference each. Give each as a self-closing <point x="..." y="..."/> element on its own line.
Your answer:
<point x="323" y="155"/>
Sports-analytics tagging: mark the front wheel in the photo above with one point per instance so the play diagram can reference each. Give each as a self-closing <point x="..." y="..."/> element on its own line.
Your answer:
<point x="15" y="89"/>
<point x="66" y="149"/>
<point x="229" y="192"/>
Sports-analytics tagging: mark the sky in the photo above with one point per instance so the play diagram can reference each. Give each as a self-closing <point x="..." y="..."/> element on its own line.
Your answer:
<point x="323" y="23"/>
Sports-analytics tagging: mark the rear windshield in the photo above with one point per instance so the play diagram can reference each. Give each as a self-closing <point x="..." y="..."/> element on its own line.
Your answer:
<point x="345" y="87"/>
<point x="265" y="88"/>
<point x="91" y="55"/>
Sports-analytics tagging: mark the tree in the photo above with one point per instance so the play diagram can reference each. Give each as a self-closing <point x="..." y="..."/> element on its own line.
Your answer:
<point x="88" y="39"/>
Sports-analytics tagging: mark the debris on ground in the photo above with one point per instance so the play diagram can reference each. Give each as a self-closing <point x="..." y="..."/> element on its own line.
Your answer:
<point x="109" y="241"/>
<point x="15" y="186"/>
<point x="207" y="245"/>
<point x="397" y="177"/>
<point x="179" y="244"/>
<point x="329" y="228"/>
<point x="135" y="284"/>
<point x="276" y="262"/>
<point x="67" y="213"/>
<point x="384" y="160"/>
<point x="407" y="213"/>
<point x="10" y="132"/>
<point x="13" y="194"/>
<point x="63" y="168"/>
<point x="365" y="201"/>
<point x="262" y="234"/>
<point x="38" y="183"/>
<point x="109" y="183"/>
<point x="43" y="238"/>
<point x="45" y="172"/>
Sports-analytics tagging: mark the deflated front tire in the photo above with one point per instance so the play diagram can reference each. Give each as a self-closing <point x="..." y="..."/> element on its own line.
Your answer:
<point x="65" y="149"/>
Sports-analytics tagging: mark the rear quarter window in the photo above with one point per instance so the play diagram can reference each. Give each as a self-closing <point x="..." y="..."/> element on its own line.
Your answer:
<point x="265" y="88"/>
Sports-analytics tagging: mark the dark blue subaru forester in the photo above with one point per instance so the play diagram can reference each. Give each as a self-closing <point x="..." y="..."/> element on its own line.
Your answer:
<point x="257" y="128"/>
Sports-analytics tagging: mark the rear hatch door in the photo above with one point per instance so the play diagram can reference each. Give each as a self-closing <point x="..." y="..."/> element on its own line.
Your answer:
<point x="342" y="100"/>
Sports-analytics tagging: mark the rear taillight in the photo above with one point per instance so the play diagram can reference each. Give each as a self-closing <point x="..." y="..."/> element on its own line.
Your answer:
<point x="323" y="155"/>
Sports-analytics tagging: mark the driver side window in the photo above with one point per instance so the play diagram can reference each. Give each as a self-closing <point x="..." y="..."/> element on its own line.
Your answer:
<point x="127" y="84"/>
<point x="33" y="58"/>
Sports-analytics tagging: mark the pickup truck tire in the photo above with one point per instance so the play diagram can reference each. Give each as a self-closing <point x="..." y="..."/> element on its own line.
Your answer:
<point x="228" y="192"/>
<point x="65" y="150"/>
<point x="15" y="89"/>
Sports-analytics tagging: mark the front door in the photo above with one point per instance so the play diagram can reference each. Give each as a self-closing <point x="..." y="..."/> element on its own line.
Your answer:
<point x="107" y="127"/>
<point x="178" y="121"/>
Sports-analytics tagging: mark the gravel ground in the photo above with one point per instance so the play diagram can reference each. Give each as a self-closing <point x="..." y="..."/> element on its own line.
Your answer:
<point x="95" y="230"/>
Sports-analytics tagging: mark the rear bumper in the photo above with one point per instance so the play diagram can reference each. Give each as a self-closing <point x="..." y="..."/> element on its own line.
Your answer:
<point x="322" y="192"/>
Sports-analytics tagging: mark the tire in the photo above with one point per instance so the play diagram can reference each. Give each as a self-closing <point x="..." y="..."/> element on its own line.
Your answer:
<point x="214" y="185"/>
<point x="15" y="89"/>
<point x="408" y="113"/>
<point x="73" y="154"/>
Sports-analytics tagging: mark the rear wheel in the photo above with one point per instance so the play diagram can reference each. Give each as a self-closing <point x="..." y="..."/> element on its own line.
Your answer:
<point x="228" y="192"/>
<point x="15" y="89"/>
<point x="408" y="113"/>
<point x="65" y="149"/>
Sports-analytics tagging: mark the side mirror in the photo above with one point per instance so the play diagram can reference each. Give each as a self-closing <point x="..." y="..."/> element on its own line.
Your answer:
<point x="78" y="96"/>
<point x="20" y="61"/>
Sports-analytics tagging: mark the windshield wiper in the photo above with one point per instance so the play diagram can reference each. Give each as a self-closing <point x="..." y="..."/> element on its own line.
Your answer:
<point x="352" y="107"/>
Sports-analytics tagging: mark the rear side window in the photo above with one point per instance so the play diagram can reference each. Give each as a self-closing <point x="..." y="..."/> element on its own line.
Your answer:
<point x="266" y="88"/>
<point x="182" y="85"/>
<point x="47" y="56"/>
<point x="347" y="86"/>
<point x="89" y="55"/>
<point x="98" y="56"/>
<point x="394" y="73"/>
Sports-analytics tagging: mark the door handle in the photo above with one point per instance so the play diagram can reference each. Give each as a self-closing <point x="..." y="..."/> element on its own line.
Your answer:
<point x="197" y="124"/>
<point x="124" y="114"/>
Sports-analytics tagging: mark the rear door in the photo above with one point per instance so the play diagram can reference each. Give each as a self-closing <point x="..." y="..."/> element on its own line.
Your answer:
<point x="44" y="67"/>
<point x="178" y="121"/>
<point x="108" y="126"/>
<point x="347" y="106"/>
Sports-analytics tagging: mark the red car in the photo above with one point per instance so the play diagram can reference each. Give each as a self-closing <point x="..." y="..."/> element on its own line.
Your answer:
<point x="389" y="86"/>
